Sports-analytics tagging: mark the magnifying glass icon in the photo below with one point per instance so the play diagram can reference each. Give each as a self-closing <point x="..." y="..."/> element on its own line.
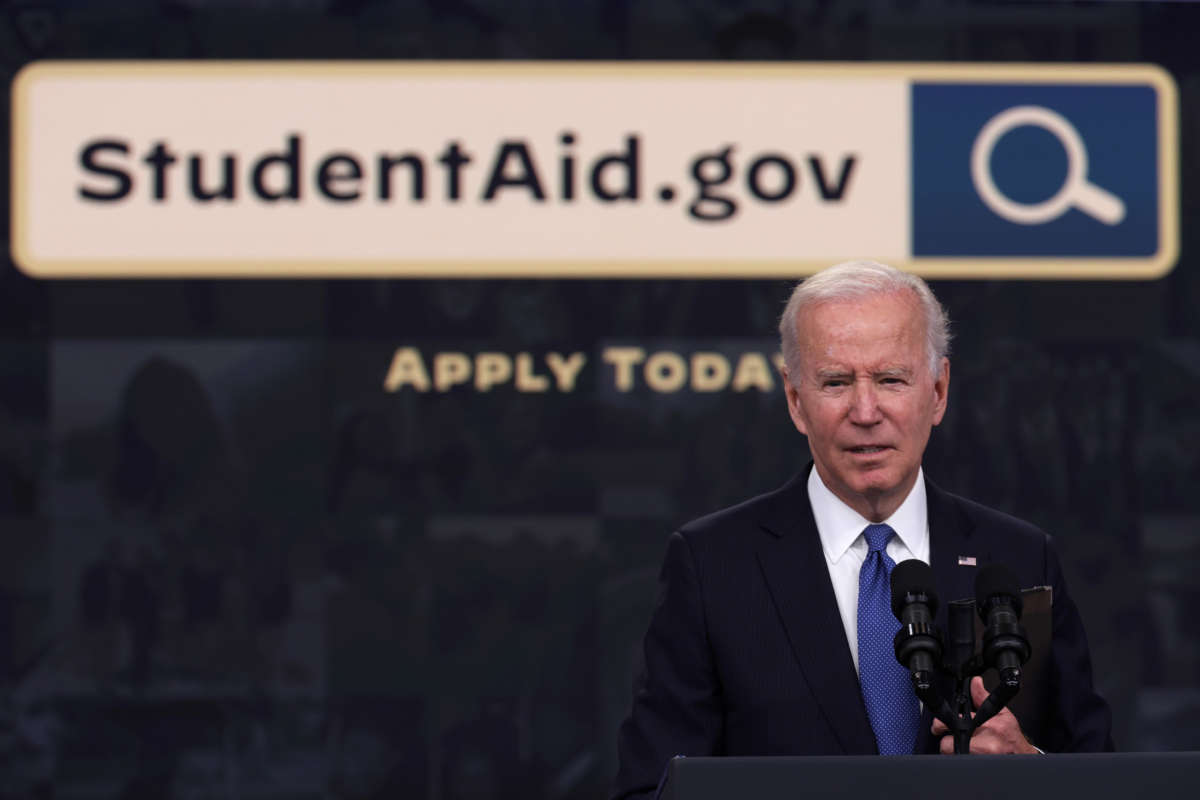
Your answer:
<point x="1075" y="192"/>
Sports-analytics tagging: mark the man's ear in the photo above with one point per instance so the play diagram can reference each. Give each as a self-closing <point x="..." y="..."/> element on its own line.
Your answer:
<point x="795" y="411"/>
<point x="941" y="392"/>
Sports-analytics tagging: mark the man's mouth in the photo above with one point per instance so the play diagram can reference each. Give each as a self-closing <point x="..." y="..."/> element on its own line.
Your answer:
<point x="868" y="449"/>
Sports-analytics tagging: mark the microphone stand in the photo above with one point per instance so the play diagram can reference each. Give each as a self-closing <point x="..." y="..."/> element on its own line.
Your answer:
<point x="962" y="663"/>
<point x="918" y="645"/>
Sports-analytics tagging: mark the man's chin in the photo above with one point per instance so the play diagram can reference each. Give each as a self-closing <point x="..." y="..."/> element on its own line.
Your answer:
<point x="871" y="482"/>
<point x="875" y="483"/>
<point x="874" y="491"/>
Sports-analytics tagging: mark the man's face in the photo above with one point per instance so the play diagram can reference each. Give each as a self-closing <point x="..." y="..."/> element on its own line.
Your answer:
<point x="865" y="397"/>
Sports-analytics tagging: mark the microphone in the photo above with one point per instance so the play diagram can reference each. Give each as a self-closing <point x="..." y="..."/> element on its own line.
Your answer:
<point x="918" y="643"/>
<point x="998" y="601"/>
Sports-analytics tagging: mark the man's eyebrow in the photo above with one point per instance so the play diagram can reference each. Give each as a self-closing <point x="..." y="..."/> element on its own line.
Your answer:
<point x="842" y="372"/>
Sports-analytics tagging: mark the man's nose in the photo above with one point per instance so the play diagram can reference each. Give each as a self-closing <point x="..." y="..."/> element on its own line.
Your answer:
<point x="864" y="404"/>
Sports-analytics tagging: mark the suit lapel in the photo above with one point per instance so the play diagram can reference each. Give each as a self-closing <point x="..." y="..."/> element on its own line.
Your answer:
<point x="949" y="540"/>
<point x="793" y="565"/>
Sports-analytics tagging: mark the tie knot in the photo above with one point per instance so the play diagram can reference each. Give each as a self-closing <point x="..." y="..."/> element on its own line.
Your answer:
<point x="878" y="536"/>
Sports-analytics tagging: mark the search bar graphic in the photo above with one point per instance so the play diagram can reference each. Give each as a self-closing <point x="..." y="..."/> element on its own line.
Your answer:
<point x="601" y="170"/>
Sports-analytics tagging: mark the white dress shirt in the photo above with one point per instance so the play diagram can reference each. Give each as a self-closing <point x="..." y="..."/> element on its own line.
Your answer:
<point x="841" y="527"/>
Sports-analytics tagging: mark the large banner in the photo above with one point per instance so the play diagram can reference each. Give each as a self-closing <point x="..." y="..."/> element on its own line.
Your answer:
<point x="232" y="169"/>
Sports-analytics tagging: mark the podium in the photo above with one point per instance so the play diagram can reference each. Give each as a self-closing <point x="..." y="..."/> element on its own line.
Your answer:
<point x="1093" y="776"/>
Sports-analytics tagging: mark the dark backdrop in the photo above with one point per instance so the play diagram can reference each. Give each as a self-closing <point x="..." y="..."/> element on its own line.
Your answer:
<point x="231" y="565"/>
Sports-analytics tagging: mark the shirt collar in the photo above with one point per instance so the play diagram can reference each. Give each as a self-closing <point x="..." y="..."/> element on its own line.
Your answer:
<point x="839" y="525"/>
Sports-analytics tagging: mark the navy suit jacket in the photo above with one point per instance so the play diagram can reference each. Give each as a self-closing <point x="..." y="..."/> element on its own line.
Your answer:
<point x="746" y="653"/>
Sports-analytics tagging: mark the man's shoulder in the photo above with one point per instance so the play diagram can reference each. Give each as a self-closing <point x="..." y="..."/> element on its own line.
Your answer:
<point x="976" y="516"/>
<point x="765" y="512"/>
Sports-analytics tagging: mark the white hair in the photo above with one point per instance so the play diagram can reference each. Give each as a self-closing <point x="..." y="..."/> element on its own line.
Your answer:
<point x="853" y="280"/>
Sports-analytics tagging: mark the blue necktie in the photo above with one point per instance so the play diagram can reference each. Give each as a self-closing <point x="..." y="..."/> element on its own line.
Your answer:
<point x="886" y="685"/>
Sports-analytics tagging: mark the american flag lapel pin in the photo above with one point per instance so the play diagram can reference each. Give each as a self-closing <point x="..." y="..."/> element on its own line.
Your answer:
<point x="966" y="561"/>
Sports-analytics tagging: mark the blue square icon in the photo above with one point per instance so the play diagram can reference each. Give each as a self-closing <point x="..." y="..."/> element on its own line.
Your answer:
<point x="1034" y="170"/>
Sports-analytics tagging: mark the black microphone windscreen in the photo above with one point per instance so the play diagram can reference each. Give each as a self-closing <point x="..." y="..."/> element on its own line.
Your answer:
<point x="996" y="579"/>
<point x="909" y="578"/>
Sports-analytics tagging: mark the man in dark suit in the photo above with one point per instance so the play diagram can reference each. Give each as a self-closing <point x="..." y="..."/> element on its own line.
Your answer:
<point x="772" y="634"/>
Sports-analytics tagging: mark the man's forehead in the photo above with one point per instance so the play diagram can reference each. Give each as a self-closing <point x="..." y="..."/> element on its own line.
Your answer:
<point x="871" y="335"/>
